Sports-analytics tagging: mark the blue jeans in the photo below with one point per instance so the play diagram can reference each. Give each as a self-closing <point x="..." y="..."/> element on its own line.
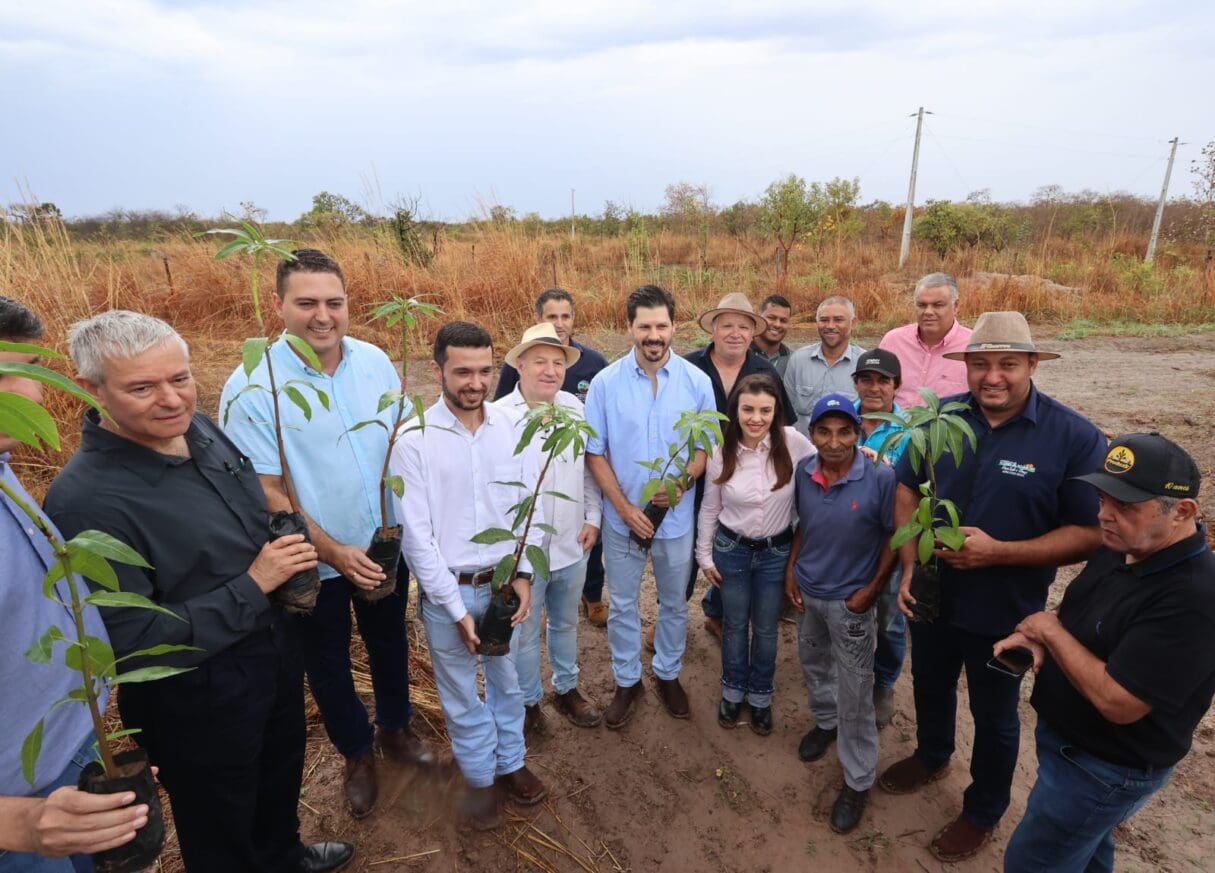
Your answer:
<point x="28" y="862"/>
<point x="624" y="561"/>
<point x="752" y="589"/>
<point x="592" y="589"/>
<point x="325" y="635"/>
<point x="486" y="735"/>
<point x="1074" y="807"/>
<point x="892" y="634"/>
<point x="558" y="598"/>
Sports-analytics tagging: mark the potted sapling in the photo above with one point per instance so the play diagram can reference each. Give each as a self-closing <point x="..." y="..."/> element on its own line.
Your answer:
<point x="299" y="593"/>
<point x="385" y="547"/>
<point x="561" y="430"/>
<point x="697" y="431"/>
<point x="932" y="431"/>
<point x="86" y="556"/>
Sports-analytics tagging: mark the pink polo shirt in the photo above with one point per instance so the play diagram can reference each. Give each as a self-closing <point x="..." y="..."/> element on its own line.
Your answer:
<point x="926" y="367"/>
<point x="747" y="504"/>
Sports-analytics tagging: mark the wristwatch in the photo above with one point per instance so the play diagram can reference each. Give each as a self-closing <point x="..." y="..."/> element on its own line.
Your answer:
<point x="522" y="575"/>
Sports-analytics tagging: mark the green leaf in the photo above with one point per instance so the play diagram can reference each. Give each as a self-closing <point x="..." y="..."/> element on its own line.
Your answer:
<point x="387" y="399"/>
<point x="127" y="600"/>
<point x="92" y="567"/>
<point x="492" y="536"/>
<point x="502" y="571"/>
<point x="954" y="406"/>
<point x="538" y="560"/>
<point x="27" y="422"/>
<point x="296" y="397"/>
<point x="304" y="351"/>
<point x="936" y="440"/>
<point x="649" y="490"/>
<point x="251" y="353"/>
<point x="30" y="349"/>
<point x="891" y="440"/>
<point x="100" y="657"/>
<point x="42" y="649"/>
<point x="930" y="399"/>
<point x="148" y="674"/>
<point x="547" y="528"/>
<point x="362" y="424"/>
<point x="158" y="650"/>
<point x="952" y="509"/>
<point x="923" y="513"/>
<point x="560" y="496"/>
<point x="672" y="493"/>
<point x="53" y="574"/>
<point x="925" y="546"/>
<point x="904" y="533"/>
<point x="396" y="484"/>
<point x="886" y="416"/>
<point x="230" y="249"/>
<point x="522" y="508"/>
<point x="508" y="482"/>
<point x="118" y="735"/>
<point x="31" y="748"/>
<point x="49" y="377"/>
<point x="951" y="537"/>
<point x="105" y="546"/>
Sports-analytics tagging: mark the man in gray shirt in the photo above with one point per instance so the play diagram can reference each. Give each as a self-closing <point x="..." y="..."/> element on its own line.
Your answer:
<point x="824" y="367"/>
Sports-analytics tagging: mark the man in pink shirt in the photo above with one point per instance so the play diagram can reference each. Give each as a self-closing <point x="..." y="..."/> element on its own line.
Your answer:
<point x="922" y="346"/>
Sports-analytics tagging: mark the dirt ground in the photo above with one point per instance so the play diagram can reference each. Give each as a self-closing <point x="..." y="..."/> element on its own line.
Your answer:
<point x="672" y="795"/>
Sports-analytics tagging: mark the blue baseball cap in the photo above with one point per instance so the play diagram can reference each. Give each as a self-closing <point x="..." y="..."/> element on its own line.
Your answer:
<point x="838" y="404"/>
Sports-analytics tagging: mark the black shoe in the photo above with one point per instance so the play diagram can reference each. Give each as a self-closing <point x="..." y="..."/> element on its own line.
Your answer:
<point x="323" y="857"/>
<point x="761" y="720"/>
<point x="727" y="714"/>
<point x="815" y="744"/>
<point x="848" y="808"/>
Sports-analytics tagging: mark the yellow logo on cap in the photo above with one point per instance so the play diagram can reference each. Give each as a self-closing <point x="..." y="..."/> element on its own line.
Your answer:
<point x="1119" y="460"/>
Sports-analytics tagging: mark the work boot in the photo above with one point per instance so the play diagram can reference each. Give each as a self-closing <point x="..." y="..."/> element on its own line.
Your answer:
<point x="883" y="705"/>
<point x="596" y="613"/>
<point x="361" y="789"/>
<point x="673" y="697"/>
<point x="404" y="747"/>
<point x="479" y="808"/>
<point x="621" y="708"/>
<point x="958" y="841"/>
<point x="908" y="775"/>
<point x="577" y="709"/>
<point x="815" y="744"/>
<point x="523" y="787"/>
<point x="647" y="637"/>
<point x="325" y="857"/>
<point x="533" y="720"/>
<point x="761" y="720"/>
<point x="847" y="810"/>
<point x="727" y="713"/>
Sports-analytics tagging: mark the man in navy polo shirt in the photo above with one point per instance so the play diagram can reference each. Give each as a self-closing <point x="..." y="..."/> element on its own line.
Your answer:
<point x="838" y="565"/>
<point x="1023" y="516"/>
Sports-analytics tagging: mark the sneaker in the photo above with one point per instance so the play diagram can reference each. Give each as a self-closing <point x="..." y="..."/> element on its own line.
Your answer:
<point x="883" y="706"/>
<point x="909" y="775"/>
<point x="727" y="714"/>
<point x="848" y="808"/>
<point x="815" y="744"/>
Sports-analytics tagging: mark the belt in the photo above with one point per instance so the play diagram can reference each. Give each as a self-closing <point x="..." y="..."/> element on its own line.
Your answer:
<point x="479" y="577"/>
<point x="780" y="539"/>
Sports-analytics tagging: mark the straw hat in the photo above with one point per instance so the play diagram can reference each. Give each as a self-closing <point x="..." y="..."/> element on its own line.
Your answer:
<point x="1001" y="332"/>
<point x="735" y="302"/>
<point x="542" y="334"/>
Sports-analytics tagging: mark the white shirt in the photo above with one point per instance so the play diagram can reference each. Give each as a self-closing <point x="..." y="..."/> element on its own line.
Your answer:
<point x="451" y="495"/>
<point x="568" y="476"/>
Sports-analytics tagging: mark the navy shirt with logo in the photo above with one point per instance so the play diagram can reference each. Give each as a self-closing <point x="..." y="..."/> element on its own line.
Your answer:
<point x="1152" y="623"/>
<point x="1016" y="487"/>
<point x="577" y="378"/>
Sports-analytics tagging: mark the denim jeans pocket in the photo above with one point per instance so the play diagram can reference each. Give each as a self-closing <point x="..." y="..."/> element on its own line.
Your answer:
<point x="723" y="543"/>
<point x="1105" y="775"/>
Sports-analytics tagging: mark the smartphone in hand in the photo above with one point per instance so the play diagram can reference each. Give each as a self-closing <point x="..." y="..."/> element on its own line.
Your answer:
<point x="1012" y="662"/>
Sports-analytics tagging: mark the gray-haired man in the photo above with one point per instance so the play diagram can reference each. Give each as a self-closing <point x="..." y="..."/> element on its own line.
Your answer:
<point x="824" y="367"/>
<point x="924" y="345"/>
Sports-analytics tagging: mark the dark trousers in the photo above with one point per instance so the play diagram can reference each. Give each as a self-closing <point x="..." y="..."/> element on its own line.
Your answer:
<point x="326" y="639"/>
<point x="228" y="738"/>
<point x="592" y="588"/>
<point x="711" y="601"/>
<point x="938" y="654"/>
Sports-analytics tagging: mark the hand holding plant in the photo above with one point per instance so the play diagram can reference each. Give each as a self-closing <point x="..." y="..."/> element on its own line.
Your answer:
<point x="697" y="430"/>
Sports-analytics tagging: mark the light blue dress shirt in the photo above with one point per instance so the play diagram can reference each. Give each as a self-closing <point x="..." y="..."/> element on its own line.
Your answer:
<point x="336" y="474"/>
<point x="632" y="424"/>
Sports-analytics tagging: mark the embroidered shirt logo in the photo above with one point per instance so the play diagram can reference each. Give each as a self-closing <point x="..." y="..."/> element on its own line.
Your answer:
<point x="1013" y="468"/>
<point x="1119" y="460"/>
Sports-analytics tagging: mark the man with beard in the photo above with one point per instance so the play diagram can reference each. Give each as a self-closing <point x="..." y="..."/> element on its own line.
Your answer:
<point x="454" y="469"/>
<point x="824" y="367"/>
<point x="633" y="406"/>
<point x="1023" y="515"/>
<point x="924" y="345"/>
<point x="770" y="342"/>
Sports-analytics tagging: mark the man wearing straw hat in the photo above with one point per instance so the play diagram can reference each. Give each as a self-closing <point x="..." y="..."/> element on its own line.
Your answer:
<point x="1023" y="515"/>
<point x="541" y="360"/>
<point x="727" y="358"/>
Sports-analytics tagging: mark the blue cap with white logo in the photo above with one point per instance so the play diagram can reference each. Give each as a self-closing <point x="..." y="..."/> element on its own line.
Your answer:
<point x="838" y="404"/>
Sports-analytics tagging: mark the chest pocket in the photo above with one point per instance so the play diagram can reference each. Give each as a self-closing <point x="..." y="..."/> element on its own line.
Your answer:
<point x="503" y="497"/>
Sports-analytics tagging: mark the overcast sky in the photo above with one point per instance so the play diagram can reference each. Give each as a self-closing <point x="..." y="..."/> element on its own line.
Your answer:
<point x="155" y="103"/>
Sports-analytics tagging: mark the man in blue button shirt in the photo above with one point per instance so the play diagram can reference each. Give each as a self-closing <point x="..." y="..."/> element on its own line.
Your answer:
<point x="336" y="475"/>
<point x="1023" y="516"/>
<point x="633" y="406"/>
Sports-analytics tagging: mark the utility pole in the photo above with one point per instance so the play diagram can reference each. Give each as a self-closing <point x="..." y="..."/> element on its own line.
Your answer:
<point x="572" y="213"/>
<point x="905" y="248"/>
<point x="1164" y="193"/>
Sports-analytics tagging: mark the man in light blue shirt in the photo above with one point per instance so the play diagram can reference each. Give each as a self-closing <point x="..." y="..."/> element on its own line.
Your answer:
<point x="633" y="405"/>
<point x="336" y="477"/>
<point x="824" y="367"/>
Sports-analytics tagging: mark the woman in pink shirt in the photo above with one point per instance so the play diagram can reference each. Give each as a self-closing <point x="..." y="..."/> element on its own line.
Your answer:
<point x="743" y="536"/>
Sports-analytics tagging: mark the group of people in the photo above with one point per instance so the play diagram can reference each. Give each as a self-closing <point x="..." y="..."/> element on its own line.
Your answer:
<point x="795" y="510"/>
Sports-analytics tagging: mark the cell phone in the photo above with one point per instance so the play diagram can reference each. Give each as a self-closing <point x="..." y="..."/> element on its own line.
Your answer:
<point x="1012" y="662"/>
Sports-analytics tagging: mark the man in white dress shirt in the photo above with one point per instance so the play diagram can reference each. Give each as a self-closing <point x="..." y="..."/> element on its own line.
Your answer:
<point x="450" y="468"/>
<point x="541" y="360"/>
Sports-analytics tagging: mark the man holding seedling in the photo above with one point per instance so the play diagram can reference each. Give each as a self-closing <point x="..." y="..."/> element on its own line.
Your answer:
<point x="824" y="367"/>
<point x="457" y="473"/>
<point x="41" y="825"/>
<point x="1126" y="669"/>
<point x="157" y="475"/>
<point x="924" y="345"/>
<point x="633" y="406"/>
<point x="336" y="473"/>
<point x="1022" y="515"/>
<point x="541" y="360"/>
<point x="555" y="306"/>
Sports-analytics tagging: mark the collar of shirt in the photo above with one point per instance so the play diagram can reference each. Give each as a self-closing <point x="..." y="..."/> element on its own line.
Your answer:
<point x="855" y="471"/>
<point x="851" y="351"/>
<point x="283" y="352"/>
<point x="1179" y="552"/>
<point x="146" y="463"/>
<point x="764" y="446"/>
<point x="1029" y="413"/>
<point x="945" y="340"/>
<point x="440" y="414"/>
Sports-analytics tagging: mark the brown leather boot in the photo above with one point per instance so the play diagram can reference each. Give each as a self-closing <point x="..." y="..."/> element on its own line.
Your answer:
<point x="523" y="787"/>
<point x="673" y="697"/>
<point x="621" y="708"/>
<point x="533" y="721"/>
<point x="361" y="789"/>
<point x="596" y="613"/>
<point x="908" y="775"/>
<point x="957" y="841"/>
<point x="404" y="747"/>
<point x="577" y="709"/>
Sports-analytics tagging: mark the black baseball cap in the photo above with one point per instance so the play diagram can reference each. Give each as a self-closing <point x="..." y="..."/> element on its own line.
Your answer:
<point x="1140" y="466"/>
<point x="879" y="361"/>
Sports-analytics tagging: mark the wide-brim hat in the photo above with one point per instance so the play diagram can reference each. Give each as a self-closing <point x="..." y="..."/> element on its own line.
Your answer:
<point x="735" y="302"/>
<point x="543" y="334"/>
<point x="1001" y="332"/>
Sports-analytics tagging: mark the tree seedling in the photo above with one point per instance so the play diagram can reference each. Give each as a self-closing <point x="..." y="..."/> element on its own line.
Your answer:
<point x="696" y="430"/>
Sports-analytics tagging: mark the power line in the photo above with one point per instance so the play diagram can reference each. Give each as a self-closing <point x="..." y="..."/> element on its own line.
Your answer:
<point x="1027" y="124"/>
<point x="948" y="159"/>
